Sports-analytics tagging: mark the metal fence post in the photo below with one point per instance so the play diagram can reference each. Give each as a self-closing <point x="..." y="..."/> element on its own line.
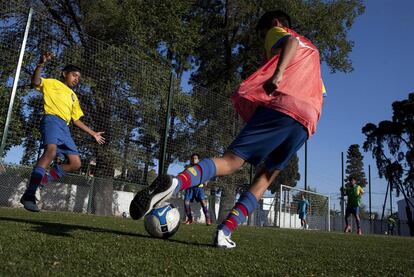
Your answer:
<point x="161" y="165"/>
<point x="15" y="83"/>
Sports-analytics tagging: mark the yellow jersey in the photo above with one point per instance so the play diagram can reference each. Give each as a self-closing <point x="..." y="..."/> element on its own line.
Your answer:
<point x="59" y="100"/>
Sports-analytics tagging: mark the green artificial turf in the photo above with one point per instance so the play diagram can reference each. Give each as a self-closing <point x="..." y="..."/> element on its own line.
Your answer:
<point x="67" y="244"/>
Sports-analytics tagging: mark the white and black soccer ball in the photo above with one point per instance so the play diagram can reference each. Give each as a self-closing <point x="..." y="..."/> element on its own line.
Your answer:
<point x="162" y="221"/>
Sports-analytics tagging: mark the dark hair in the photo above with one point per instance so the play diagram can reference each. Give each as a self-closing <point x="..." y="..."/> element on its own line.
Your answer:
<point x="71" y="68"/>
<point x="266" y="21"/>
<point x="195" y="154"/>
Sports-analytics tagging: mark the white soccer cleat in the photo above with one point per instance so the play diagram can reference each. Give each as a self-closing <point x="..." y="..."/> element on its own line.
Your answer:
<point x="223" y="241"/>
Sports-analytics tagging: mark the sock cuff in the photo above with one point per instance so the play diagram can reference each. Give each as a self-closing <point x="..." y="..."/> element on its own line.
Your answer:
<point x="59" y="170"/>
<point x="249" y="201"/>
<point x="39" y="170"/>
<point x="208" y="168"/>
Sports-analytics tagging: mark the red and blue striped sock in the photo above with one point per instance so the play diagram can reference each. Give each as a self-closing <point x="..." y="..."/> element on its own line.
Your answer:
<point x="55" y="173"/>
<point x="196" y="174"/>
<point x="187" y="209"/>
<point x="35" y="179"/>
<point x="244" y="206"/>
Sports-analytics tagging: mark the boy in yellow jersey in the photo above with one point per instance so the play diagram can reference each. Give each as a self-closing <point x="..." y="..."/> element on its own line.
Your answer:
<point x="61" y="106"/>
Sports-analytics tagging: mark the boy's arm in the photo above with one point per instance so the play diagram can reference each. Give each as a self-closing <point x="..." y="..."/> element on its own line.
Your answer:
<point x="287" y="53"/>
<point x="97" y="135"/>
<point x="36" y="81"/>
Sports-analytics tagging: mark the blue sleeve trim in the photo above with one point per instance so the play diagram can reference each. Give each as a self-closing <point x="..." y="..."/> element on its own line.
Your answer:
<point x="280" y="41"/>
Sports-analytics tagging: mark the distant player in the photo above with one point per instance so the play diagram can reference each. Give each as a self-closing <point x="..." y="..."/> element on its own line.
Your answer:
<point x="281" y="103"/>
<point x="353" y="193"/>
<point x="195" y="193"/>
<point x="303" y="208"/>
<point x="61" y="107"/>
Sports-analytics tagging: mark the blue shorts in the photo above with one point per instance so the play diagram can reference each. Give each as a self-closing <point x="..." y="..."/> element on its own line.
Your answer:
<point x="269" y="136"/>
<point x="194" y="193"/>
<point x="54" y="130"/>
<point x="302" y="215"/>
<point x="351" y="210"/>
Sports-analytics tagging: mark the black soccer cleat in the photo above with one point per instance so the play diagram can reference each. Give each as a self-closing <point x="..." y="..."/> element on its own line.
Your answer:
<point x="144" y="201"/>
<point x="28" y="201"/>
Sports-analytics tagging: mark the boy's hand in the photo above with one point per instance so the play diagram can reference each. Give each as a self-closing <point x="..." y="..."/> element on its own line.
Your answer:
<point x="273" y="83"/>
<point x="46" y="57"/>
<point x="99" y="138"/>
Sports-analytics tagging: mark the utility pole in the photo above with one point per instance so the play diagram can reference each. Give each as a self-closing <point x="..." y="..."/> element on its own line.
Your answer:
<point x="370" y="207"/>
<point x="306" y="165"/>
<point x="342" y="188"/>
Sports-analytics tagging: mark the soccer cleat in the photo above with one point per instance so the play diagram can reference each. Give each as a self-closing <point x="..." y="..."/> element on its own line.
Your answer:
<point x="29" y="202"/>
<point x="359" y="232"/>
<point x="144" y="201"/>
<point x="208" y="222"/>
<point x="188" y="222"/>
<point x="223" y="241"/>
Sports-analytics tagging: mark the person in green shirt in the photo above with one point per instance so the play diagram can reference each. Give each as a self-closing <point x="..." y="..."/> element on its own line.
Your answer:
<point x="353" y="193"/>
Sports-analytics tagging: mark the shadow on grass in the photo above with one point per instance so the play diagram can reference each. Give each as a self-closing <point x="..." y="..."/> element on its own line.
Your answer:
<point x="64" y="230"/>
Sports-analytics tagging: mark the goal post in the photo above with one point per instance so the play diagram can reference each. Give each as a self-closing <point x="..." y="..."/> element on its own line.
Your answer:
<point x="318" y="217"/>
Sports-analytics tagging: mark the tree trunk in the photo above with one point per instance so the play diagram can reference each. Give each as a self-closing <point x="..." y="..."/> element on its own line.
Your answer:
<point x="226" y="202"/>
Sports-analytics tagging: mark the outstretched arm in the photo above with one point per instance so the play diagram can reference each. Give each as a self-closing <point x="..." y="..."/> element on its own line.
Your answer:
<point x="97" y="135"/>
<point x="38" y="69"/>
<point x="288" y="51"/>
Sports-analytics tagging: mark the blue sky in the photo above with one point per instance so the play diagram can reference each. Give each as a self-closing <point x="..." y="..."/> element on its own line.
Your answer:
<point x="382" y="58"/>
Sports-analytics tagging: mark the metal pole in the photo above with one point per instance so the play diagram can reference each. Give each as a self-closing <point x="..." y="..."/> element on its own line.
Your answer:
<point x="251" y="217"/>
<point x="342" y="189"/>
<point x="161" y="165"/>
<point x="306" y="165"/>
<point x="390" y="198"/>
<point x="370" y="207"/>
<point x="280" y="206"/>
<point x="15" y="83"/>
<point x="329" y="213"/>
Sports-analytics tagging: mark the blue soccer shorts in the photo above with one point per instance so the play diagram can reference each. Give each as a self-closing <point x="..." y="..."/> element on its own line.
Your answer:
<point x="352" y="210"/>
<point x="54" y="130"/>
<point x="269" y="136"/>
<point x="194" y="193"/>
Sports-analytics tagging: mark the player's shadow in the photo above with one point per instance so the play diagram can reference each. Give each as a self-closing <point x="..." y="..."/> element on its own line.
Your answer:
<point x="64" y="230"/>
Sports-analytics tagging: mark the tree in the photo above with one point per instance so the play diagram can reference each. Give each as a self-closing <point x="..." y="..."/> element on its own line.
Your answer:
<point x="288" y="176"/>
<point x="355" y="166"/>
<point x="392" y="145"/>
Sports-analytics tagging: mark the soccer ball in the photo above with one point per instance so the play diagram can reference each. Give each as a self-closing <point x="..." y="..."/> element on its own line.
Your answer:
<point x="162" y="221"/>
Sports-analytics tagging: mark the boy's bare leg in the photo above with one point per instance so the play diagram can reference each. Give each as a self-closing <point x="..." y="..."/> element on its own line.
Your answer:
<point x="227" y="164"/>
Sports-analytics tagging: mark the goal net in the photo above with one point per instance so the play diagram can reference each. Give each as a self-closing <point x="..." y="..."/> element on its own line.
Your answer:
<point x="288" y="212"/>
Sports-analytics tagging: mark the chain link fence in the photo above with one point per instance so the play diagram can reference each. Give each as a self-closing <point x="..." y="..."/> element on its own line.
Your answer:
<point x="150" y="122"/>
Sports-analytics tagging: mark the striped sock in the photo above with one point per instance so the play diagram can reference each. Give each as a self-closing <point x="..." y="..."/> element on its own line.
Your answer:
<point x="244" y="206"/>
<point x="187" y="209"/>
<point x="55" y="173"/>
<point x="35" y="179"/>
<point x="205" y="210"/>
<point x="196" y="174"/>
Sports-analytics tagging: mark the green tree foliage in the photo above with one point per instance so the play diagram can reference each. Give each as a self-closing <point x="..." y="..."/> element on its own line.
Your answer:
<point x="392" y="145"/>
<point x="288" y="176"/>
<point x="355" y="166"/>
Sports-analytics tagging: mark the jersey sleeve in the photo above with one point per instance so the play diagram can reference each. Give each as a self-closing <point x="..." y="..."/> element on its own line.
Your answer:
<point x="43" y="82"/>
<point x="274" y="38"/>
<point x="76" y="109"/>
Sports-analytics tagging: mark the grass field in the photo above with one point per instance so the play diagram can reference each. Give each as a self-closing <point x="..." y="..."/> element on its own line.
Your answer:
<point x="56" y="244"/>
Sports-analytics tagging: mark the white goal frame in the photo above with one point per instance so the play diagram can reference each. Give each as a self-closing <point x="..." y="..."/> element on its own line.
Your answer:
<point x="282" y="214"/>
